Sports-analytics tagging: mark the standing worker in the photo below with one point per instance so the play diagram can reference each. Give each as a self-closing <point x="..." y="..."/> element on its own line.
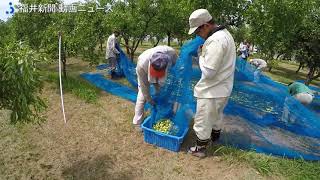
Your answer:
<point x="244" y="50"/>
<point x="152" y="68"/>
<point x="112" y="52"/>
<point x="217" y="63"/>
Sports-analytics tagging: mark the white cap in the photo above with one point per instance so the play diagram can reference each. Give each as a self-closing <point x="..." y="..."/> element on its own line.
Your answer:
<point x="198" y="18"/>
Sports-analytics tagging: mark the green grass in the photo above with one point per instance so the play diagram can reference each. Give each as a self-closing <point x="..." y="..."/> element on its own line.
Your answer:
<point x="270" y="165"/>
<point x="286" y="73"/>
<point x="264" y="164"/>
<point x="76" y="86"/>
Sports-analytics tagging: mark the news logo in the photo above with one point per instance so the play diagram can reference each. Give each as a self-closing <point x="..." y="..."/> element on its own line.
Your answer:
<point x="11" y="7"/>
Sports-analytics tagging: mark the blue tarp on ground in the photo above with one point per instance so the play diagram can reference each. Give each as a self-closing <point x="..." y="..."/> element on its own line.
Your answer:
<point x="264" y="117"/>
<point x="111" y="87"/>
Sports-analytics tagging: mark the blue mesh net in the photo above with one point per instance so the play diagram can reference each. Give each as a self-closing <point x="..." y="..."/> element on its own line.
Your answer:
<point x="262" y="116"/>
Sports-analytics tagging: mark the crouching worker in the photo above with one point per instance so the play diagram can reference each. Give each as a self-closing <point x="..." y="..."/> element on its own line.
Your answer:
<point x="260" y="64"/>
<point x="152" y="68"/>
<point x="301" y="92"/>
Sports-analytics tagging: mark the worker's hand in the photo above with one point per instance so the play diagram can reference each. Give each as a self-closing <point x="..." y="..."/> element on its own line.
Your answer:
<point x="151" y="102"/>
<point x="157" y="88"/>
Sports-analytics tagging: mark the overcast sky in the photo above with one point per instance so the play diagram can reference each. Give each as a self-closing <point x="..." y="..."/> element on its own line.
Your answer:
<point x="4" y="6"/>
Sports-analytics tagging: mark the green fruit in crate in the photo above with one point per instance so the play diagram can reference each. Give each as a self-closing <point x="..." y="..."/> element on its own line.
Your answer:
<point x="163" y="125"/>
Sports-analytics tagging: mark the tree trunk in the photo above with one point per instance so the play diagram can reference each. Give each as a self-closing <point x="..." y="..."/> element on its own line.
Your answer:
<point x="135" y="43"/>
<point x="64" y="60"/>
<point x="310" y="75"/>
<point x="180" y="42"/>
<point x="126" y="41"/>
<point x="101" y="43"/>
<point x="156" y="44"/>
<point x="131" y="55"/>
<point x="308" y="81"/>
<point x="64" y="67"/>
<point x="300" y="66"/>
<point x="131" y="50"/>
<point x="252" y="45"/>
<point x="169" y="38"/>
<point x="269" y="58"/>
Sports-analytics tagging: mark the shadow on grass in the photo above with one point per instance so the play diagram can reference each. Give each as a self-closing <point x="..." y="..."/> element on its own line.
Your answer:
<point x="287" y="73"/>
<point x="74" y="84"/>
<point x="100" y="167"/>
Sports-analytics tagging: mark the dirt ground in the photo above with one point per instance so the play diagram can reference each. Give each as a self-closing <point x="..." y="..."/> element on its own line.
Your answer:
<point x="98" y="142"/>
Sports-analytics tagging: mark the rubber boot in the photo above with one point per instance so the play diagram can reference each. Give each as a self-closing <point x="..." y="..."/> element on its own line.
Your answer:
<point x="215" y="135"/>
<point x="199" y="150"/>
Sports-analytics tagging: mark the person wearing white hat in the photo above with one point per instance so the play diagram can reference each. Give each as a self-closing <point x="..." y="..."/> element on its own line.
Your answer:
<point x="217" y="60"/>
<point x="152" y="67"/>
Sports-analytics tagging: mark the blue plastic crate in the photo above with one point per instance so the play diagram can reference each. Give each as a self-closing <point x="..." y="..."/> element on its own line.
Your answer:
<point x="159" y="139"/>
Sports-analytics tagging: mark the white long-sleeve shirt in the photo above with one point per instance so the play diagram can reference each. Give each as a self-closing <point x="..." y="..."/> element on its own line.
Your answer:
<point x="206" y="72"/>
<point x="143" y="65"/>
<point x="217" y="63"/>
<point x="111" y="50"/>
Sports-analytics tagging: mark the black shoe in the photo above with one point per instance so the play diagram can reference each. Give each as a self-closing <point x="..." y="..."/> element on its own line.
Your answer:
<point x="113" y="75"/>
<point x="199" y="150"/>
<point x="215" y="135"/>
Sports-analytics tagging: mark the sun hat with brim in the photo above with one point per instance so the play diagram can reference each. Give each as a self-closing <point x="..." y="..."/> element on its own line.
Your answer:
<point x="158" y="64"/>
<point x="198" y="18"/>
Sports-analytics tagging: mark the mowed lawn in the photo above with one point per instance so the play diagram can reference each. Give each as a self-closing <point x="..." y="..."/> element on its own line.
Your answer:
<point x="286" y="73"/>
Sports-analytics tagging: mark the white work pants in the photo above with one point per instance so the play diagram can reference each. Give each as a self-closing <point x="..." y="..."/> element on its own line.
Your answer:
<point x="208" y="116"/>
